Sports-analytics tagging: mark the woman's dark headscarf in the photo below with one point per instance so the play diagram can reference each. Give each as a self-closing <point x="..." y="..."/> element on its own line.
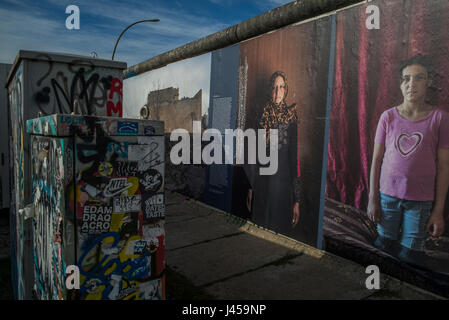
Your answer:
<point x="274" y="115"/>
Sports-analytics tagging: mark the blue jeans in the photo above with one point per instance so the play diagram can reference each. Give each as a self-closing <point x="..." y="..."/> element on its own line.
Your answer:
<point x="412" y="216"/>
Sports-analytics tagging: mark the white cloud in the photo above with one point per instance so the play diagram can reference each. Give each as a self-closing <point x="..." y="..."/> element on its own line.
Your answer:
<point x="174" y="21"/>
<point x="22" y="30"/>
<point x="33" y="28"/>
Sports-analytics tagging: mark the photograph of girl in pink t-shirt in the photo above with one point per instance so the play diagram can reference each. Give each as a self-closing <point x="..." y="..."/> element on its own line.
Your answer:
<point x="409" y="175"/>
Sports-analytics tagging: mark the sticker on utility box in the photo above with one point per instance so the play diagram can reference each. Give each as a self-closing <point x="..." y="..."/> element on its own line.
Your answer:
<point x="127" y="128"/>
<point x="96" y="218"/>
<point x="127" y="204"/>
<point x="149" y="130"/>
<point x="151" y="181"/>
<point x="138" y="151"/>
<point x="153" y="207"/>
<point x="116" y="186"/>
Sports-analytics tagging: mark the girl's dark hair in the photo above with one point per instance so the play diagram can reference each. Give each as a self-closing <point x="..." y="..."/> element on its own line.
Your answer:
<point x="419" y="60"/>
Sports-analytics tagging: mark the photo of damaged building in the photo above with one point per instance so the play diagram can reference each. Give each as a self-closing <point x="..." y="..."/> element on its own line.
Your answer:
<point x="176" y="113"/>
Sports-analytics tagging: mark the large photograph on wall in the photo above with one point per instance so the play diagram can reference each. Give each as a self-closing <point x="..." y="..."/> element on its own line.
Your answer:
<point x="283" y="78"/>
<point x="177" y="94"/>
<point x="222" y="116"/>
<point x="389" y="139"/>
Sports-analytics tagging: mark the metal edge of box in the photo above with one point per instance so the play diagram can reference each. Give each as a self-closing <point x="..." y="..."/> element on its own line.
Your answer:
<point x="62" y="58"/>
<point x="61" y="125"/>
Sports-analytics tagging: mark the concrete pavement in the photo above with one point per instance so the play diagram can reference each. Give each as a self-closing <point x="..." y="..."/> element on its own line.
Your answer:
<point x="4" y="235"/>
<point x="229" y="258"/>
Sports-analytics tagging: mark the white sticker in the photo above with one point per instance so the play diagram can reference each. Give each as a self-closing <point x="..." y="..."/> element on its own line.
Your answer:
<point x="150" y="231"/>
<point x="127" y="204"/>
<point x="150" y="290"/>
<point x="153" y="207"/>
<point x="116" y="186"/>
<point x="137" y="152"/>
<point x="135" y="247"/>
<point x="154" y="155"/>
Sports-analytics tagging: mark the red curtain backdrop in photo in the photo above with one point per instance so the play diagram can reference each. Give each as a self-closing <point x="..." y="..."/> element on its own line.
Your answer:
<point x="367" y="82"/>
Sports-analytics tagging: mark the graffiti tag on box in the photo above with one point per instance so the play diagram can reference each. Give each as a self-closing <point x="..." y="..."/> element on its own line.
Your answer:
<point x="137" y="151"/>
<point x="115" y="276"/>
<point x="125" y="169"/>
<point x="95" y="91"/>
<point x="146" y="155"/>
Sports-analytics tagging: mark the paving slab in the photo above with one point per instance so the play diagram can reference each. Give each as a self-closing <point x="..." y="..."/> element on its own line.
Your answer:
<point x="304" y="277"/>
<point x="183" y="233"/>
<point x="184" y="211"/>
<point x="5" y="250"/>
<point x="223" y="258"/>
<point x="234" y="259"/>
<point x="307" y="277"/>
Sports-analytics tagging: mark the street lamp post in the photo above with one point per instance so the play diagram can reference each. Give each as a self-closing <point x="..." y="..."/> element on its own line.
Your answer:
<point x="121" y="34"/>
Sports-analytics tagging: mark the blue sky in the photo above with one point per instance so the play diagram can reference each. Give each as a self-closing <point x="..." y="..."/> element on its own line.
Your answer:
<point x="40" y="25"/>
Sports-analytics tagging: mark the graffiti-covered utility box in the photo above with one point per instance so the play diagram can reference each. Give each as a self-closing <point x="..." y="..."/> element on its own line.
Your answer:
<point x="98" y="204"/>
<point x="46" y="83"/>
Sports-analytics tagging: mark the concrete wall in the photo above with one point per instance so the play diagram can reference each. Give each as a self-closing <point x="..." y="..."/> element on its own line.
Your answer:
<point x="239" y="88"/>
<point x="342" y="74"/>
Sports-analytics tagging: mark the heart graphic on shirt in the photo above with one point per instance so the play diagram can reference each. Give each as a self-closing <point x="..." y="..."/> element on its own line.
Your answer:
<point x="407" y="144"/>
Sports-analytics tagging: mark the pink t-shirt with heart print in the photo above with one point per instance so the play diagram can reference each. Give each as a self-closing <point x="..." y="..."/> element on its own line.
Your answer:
<point x="409" y="165"/>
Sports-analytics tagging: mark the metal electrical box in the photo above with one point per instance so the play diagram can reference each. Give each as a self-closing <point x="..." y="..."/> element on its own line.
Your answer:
<point x="43" y="83"/>
<point x="98" y="204"/>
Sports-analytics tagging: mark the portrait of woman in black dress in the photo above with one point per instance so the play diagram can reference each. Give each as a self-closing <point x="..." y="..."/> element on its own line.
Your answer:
<point x="273" y="200"/>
